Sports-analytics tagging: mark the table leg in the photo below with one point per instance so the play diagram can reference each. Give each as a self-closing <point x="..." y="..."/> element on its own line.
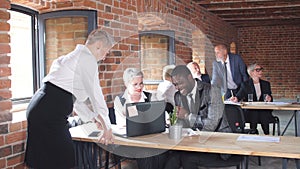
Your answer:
<point x="289" y="122"/>
<point x="297" y="123"/>
<point x="284" y="163"/>
<point x="297" y="164"/>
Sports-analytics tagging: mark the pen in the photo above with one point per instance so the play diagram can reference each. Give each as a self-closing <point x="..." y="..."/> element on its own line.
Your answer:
<point x="231" y="93"/>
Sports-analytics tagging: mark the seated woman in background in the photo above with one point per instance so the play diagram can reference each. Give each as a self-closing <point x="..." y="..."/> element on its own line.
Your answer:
<point x="133" y="80"/>
<point x="261" y="91"/>
<point x="166" y="90"/>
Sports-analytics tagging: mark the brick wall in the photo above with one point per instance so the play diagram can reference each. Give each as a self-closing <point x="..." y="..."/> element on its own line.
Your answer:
<point x="154" y="55"/>
<point x="277" y="49"/>
<point x="123" y="19"/>
<point x="62" y="35"/>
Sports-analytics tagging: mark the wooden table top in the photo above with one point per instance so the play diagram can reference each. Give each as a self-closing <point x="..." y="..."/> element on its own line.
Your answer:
<point x="212" y="142"/>
<point x="270" y="105"/>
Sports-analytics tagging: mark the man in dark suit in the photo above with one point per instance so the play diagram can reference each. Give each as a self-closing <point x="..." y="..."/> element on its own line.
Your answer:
<point x="195" y="70"/>
<point x="200" y="107"/>
<point x="229" y="71"/>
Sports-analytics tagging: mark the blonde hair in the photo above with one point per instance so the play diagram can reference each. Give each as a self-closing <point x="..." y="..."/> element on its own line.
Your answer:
<point x="167" y="71"/>
<point x="251" y="68"/>
<point x="131" y="73"/>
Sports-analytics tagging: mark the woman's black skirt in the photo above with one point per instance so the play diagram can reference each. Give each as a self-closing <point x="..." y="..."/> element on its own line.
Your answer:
<point x="49" y="143"/>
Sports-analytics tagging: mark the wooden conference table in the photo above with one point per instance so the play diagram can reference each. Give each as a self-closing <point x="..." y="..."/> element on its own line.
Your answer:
<point x="275" y="106"/>
<point x="211" y="142"/>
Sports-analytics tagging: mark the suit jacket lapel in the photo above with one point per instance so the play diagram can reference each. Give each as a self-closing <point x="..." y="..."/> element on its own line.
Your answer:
<point x="198" y="97"/>
<point x="252" y="90"/>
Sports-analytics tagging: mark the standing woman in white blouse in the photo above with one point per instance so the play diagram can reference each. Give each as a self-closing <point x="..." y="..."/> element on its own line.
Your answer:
<point x="71" y="83"/>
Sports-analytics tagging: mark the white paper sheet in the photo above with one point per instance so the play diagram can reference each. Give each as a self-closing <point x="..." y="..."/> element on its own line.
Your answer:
<point x="267" y="103"/>
<point x="117" y="130"/>
<point x="231" y="102"/>
<point x="258" y="138"/>
<point x="84" y="130"/>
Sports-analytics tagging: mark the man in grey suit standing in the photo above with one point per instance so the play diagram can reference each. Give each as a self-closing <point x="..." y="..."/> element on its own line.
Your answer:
<point x="229" y="71"/>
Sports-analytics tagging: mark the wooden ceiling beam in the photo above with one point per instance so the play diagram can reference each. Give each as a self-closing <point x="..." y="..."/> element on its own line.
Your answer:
<point x="251" y="12"/>
<point x="252" y="5"/>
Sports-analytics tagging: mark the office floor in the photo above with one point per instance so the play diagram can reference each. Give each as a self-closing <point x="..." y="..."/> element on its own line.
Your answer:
<point x="266" y="162"/>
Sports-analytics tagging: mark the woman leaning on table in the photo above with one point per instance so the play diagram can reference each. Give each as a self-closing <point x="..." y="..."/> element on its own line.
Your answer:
<point x="72" y="81"/>
<point x="258" y="87"/>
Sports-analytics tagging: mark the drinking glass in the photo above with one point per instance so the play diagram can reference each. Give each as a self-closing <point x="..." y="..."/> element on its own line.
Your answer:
<point x="265" y="97"/>
<point x="250" y="97"/>
<point x="298" y="98"/>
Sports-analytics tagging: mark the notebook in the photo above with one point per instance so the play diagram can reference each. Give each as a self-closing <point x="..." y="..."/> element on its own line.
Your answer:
<point x="144" y="118"/>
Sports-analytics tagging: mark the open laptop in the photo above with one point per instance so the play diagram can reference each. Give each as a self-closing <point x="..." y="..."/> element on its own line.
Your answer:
<point x="144" y="118"/>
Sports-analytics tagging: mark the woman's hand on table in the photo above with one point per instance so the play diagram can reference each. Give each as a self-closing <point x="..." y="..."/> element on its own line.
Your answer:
<point x="107" y="137"/>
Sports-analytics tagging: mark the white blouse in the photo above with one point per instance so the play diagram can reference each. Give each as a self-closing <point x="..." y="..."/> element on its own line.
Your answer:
<point x="77" y="73"/>
<point x="120" y="109"/>
<point x="257" y="90"/>
<point x="166" y="91"/>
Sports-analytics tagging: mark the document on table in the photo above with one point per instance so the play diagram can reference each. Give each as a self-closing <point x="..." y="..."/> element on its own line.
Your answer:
<point x="231" y="102"/>
<point x="267" y="103"/>
<point x="258" y="138"/>
<point x="117" y="130"/>
<point x="86" y="130"/>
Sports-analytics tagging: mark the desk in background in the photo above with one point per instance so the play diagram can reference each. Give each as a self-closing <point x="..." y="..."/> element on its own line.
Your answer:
<point x="276" y="106"/>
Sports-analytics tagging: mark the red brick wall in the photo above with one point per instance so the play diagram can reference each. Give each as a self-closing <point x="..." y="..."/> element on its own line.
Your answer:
<point x="277" y="49"/>
<point x="62" y="35"/>
<point x="120" y="18"/>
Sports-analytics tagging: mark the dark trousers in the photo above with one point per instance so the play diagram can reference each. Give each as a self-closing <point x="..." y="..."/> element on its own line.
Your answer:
<point x="264" y="117"/>
<point x="192" y="160"/>
<point x="154" y="162"/>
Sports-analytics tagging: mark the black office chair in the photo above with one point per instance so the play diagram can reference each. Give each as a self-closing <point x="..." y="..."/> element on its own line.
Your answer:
<point x="275" y="122"/>
<point x="234" y="115"/>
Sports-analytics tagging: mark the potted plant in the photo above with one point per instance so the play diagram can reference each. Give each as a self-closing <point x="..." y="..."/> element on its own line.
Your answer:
<point x="175" y="129"/>
<point x="173" y="117"/>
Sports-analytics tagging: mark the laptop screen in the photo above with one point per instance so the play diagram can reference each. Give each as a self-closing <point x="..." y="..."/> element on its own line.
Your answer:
<point x="145" y="118"/>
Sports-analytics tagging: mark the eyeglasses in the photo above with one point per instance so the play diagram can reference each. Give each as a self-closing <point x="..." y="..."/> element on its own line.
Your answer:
<point x="259" y="69"/>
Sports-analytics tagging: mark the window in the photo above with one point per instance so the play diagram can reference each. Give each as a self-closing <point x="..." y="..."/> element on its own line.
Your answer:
<point x="60" y="31"/>
<point x="30" y="62"/>
<point x="157" y="51"/>
<point x="22" y="35"/>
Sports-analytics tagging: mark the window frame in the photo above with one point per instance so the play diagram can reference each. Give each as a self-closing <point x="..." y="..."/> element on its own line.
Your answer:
<point x="38" y="41"/>
<point x="33" y="14"/>
<point x="92" y="24"/>
<point x="171" y="42"/>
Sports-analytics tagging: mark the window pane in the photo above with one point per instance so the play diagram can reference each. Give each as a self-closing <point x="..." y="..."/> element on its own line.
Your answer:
<point x="61" y="36"/>
<point x="154" y="55"/>
<point x="21" y="55"/>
